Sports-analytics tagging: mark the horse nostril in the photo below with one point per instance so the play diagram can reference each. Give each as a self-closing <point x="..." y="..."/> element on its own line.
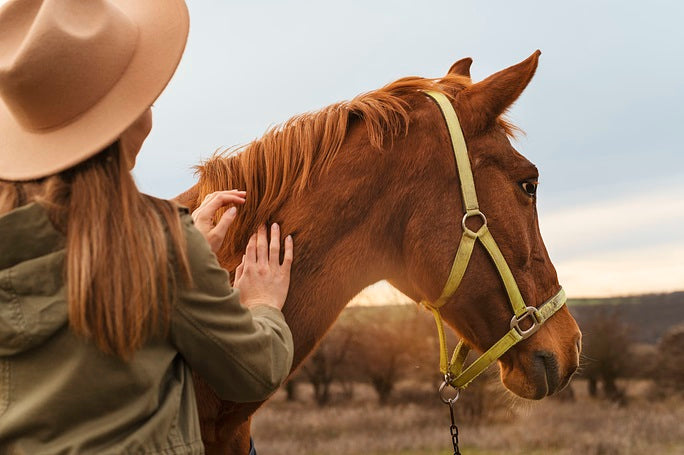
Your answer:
<point x="578" y="344"/>
<point x="550" y="364"/>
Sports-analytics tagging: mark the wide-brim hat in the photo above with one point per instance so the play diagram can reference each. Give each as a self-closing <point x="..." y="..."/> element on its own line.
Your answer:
<point x="75" y="74"/>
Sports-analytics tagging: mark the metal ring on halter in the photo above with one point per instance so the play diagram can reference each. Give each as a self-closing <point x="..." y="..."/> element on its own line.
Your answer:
<point x="469" y="214"/>
<point x="445" y="400"/>
<point x="530" y="312"/>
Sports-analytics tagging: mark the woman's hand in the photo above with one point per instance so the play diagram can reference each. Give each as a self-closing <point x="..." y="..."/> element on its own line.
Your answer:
<point x="261" y="279"/>
<point x="203" y="216"/>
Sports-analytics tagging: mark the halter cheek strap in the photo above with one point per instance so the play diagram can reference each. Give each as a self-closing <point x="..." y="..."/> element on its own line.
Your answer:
<point x="453" y="370"/>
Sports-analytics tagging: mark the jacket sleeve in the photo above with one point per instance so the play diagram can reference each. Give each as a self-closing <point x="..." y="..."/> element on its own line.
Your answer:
<point x="243" y="354"/>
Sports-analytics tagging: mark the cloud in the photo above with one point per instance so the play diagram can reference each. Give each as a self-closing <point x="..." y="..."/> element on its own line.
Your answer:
<point x="602" y="219"/>
<point x="626" y="245"/>
<point x="635" y="271"/>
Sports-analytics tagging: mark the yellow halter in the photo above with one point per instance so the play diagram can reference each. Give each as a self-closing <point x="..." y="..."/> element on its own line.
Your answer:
<point x="454" y="374"/>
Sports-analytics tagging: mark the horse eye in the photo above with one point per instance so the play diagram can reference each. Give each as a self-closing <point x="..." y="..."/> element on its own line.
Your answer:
<point x="529" y="187"/>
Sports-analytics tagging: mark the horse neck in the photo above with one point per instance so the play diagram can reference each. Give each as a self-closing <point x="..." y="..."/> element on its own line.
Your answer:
<point x="344" y="235"/>
<point x="347" y="231"/>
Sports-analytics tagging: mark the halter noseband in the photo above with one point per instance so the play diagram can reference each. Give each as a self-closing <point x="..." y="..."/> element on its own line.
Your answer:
<point x="454" y="374"/>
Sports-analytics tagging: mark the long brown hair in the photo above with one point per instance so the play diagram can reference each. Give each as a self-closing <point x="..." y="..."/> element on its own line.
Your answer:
<point x="125" y="251"/>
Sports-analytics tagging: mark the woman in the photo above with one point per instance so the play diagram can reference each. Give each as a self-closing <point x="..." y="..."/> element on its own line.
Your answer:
<point x="108" y="297"/>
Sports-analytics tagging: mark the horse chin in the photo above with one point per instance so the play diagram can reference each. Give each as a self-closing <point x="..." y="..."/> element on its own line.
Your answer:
<point x="524" y="385"/>
<point x="533" y="379"/>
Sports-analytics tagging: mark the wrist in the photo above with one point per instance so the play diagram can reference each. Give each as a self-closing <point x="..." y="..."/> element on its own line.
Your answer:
<point x="251" y="303"/>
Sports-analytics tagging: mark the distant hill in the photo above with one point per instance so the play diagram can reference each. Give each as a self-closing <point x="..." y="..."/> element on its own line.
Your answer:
<point x="649" y="315"/>
<point x="672" y="297"/>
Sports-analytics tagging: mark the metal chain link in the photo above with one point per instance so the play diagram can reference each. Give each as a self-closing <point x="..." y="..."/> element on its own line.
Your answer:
<point x="453" y="429"/>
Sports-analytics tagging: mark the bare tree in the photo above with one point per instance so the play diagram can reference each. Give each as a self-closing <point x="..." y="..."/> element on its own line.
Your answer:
<point x="329" y="362"/>
<point x="291" y="390"/>
<point x="391" y="344"/>
<point x="669" y="374"/>
<point x="606" y="352"/>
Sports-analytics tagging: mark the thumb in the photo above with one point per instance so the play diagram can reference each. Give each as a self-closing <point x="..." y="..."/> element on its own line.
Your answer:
<point x="225" y="221"/>
<point x="238" y="272"/>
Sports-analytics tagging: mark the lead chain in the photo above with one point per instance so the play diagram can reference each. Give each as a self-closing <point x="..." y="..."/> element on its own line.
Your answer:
<point x="453" y="429"/>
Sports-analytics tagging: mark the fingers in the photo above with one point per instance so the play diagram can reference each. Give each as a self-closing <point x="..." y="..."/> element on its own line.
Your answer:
<point x="204" y="203"/>
<point x="214" y="201"/>
<point x="225" y="222"/>
<point x="250" y="252"/>
<point x="260" y="250"/>
<point x="220" y="200"/>
<point x="262" y="245"/>
<point x="210" y="196"/>
<point x="274" y="249"/>
<point x="239" y="271"/>
<point x="289" y="254"/>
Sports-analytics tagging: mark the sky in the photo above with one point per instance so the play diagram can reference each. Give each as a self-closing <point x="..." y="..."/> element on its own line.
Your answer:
<point x="603" y="115"/>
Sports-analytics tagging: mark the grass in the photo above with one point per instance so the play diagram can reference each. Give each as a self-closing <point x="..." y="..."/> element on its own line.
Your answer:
<point x="464" y="449"/>
<point x="360" y="426"/>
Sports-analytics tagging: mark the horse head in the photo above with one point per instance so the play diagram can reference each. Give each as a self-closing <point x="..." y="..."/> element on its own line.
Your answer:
<point x="506" y="184"/>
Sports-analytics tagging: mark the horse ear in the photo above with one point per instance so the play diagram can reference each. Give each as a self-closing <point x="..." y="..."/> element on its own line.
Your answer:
<point x="488" y="99"/>
<point x="461" y="67"/>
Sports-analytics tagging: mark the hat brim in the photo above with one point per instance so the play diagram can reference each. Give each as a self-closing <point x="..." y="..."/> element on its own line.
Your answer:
<point x="163" y="31"/>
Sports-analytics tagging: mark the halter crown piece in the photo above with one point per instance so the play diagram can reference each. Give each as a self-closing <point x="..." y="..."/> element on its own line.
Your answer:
<point x="453" y="370"/>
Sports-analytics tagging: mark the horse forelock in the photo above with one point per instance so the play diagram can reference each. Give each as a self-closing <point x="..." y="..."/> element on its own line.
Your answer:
<point x="290" y="156"/>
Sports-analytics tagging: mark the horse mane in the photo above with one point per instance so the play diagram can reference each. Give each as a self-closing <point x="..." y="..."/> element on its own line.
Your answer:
<point x="290" y="156"/>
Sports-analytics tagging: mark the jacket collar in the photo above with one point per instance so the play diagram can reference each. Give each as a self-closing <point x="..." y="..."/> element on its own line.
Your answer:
<point x="27" y="233"/>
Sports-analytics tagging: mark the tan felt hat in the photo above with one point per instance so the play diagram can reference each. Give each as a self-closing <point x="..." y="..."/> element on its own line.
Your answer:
<point x="74" y="74"/>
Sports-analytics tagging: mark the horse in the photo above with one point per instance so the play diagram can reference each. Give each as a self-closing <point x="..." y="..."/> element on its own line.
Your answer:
<point x="369" y="191"/>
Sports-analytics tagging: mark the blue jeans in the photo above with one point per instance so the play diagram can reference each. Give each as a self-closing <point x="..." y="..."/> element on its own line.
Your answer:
<point x="252" y="450"/>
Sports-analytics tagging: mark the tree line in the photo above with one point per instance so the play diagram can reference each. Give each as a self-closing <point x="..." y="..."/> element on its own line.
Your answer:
<point x="381" y="346"/>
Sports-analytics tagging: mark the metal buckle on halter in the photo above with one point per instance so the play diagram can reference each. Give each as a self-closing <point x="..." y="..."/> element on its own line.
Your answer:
<point x="530" y="311"/>
<point x="468" y="214"/>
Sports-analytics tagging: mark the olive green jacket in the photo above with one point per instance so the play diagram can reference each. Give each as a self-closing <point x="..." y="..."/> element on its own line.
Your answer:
<point x="60" y="395"/>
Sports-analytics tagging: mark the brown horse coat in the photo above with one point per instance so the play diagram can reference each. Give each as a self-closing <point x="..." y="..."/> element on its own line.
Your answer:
<point x="369" y="190"/>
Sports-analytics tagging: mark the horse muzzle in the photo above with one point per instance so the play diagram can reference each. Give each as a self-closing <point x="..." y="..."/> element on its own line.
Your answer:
<point x="536" y="373"/>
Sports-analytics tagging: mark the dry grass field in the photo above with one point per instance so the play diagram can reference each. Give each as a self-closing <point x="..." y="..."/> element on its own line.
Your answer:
<point x="416" y="422"/>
